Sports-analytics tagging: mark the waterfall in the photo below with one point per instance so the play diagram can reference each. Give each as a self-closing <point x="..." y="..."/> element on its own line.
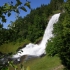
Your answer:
<point x="39" y="49"/>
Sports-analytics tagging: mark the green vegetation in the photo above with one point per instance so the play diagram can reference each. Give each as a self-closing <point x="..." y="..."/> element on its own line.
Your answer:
<point x="12" y="47"/>
<point x="60" y="44"/>
<point x="37" y="41"/>
<point x="7" y="8"/>
<point x="26" y="28"/>
<point x="31" y="29"/>
<point x="44" y="63"/>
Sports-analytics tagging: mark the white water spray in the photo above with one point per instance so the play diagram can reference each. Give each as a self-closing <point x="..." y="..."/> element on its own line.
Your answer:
<point x="35" y="49"/>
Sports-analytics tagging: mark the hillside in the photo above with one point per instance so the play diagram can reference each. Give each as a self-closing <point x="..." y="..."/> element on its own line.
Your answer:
<point x="31" y="29"/>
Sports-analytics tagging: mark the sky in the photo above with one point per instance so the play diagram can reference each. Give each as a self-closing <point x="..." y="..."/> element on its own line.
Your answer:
<point x="34" y="4"/>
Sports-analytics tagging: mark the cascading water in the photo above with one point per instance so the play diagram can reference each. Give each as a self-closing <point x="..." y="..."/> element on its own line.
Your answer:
<point x="39" y="49"/>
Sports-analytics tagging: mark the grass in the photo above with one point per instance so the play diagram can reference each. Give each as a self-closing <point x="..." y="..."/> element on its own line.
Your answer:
<point x="12" y="46"/>
<point x="44" y="63"/>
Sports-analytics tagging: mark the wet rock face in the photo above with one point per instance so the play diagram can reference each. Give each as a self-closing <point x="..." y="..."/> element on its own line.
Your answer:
<point x="23" y="58"/>
<point x="42" y="55"/>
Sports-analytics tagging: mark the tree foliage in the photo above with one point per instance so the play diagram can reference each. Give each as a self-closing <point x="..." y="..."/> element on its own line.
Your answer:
<point x="60" y="44"/>
<point x="56" y="4"/>
<point x="7" y="8"/>
<point x="30" y="27"/>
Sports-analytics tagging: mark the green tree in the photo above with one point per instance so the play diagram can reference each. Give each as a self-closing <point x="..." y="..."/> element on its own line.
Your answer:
<point x="8" y="8"/>
<point x="61" y="41"/>
<point x="56" y="4"/>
